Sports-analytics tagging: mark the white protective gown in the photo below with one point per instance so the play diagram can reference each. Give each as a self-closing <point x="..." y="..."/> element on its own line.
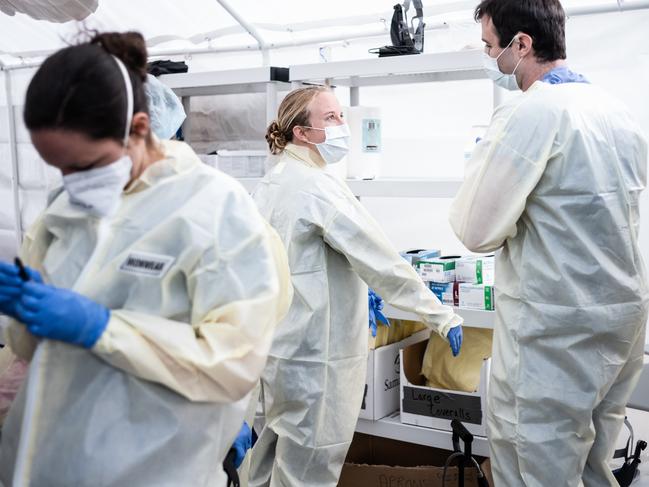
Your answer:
<point x="555" y="185"/>
<point x="313" y="383"/>
<point x="196" y="281"/>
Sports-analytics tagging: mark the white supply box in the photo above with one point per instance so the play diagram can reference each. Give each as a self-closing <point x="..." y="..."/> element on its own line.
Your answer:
<point x="242" y="163"/>
<point x="415" y="255"/>
<point x="477" y="296"/>
<point x="381" y="396"/>
<point x="475" y="269"/>
<point x="439" y="269"/>
<point x="448" y="293"/>
<point x="435" y="408"/>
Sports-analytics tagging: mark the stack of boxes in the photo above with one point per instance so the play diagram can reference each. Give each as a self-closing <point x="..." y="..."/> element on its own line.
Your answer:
<point x="465" y="282"/>
<point x="476" y="275"/>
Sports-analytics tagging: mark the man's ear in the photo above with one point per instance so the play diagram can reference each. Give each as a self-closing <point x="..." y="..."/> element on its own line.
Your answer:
<point x="524" y="44"/>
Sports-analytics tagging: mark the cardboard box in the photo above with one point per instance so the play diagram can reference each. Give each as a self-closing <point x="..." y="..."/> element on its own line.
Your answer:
<point x="477" y="296"/>
<point x="415" y="255"/>
<point x="381" y="462"/>
<point x="476" y="269"/>
<point x="448" y="293"/>
<point x="381" y="396"/>
<point x="440" y="269"/>
<point x="435" y="408"/>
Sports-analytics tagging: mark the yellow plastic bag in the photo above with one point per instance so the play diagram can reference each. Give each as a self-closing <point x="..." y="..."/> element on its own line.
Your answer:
<point x="461" y="373"/>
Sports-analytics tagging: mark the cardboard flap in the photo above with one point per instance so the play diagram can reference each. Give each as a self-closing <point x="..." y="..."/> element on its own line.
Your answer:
<point x="461" y="373"/>
<point x="412" y="358"/>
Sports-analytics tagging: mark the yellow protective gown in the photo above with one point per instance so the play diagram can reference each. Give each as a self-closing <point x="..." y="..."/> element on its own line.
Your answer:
<point x="196" y="281"/>
<point x="555" y="185"/>
<point x="313" y="383"/>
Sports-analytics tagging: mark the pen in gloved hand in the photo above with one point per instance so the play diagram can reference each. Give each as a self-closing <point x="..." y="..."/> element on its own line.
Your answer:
<point x="21" y="269"/>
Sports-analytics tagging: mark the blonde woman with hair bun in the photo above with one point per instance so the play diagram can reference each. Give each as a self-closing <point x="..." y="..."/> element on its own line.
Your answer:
<point x="314" y="379"/>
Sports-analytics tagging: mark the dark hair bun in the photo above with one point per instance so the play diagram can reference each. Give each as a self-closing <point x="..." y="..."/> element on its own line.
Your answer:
<point x="276" y="139"/>
<point x="129" y="47"/>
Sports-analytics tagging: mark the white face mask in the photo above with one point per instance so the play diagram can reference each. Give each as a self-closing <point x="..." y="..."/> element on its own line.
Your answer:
<point x="490" y="64"/>
<point x="98" y="191"/>
<point x="336" y="144"/>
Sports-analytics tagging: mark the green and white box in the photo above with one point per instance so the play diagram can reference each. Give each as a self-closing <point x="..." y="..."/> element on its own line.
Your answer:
<point x="477" y="296"/>
<point x="475" y="269"/>
<point x="439" y="269"/>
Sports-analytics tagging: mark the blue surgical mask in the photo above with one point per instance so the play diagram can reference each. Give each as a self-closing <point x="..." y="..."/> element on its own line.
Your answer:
<point x="490" y="64"/>
<point x="336" y="144"/>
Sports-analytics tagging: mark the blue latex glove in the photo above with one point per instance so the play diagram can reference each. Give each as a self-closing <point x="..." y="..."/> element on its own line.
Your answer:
<point x="61" y="314"/>
<point x="11" y="286"/>
<point x="242" y="444"/>
<point x="455" y="339"/>
<point x="375" y="303"/>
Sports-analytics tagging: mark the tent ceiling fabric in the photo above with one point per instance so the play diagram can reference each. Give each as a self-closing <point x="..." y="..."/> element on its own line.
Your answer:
<point x="203" y="23"/>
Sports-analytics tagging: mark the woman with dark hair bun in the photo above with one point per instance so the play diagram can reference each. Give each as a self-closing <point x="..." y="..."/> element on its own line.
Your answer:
<point x="150" y="294"/>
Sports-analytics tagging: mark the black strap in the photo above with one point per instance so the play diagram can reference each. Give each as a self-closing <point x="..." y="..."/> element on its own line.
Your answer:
<point x="628" y="471"/>
<point x="626" y="451"/>
<point x="230" y="469"/>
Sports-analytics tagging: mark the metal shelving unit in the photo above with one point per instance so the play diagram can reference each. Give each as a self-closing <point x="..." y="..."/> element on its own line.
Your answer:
<point x="267" y="79"/>
<point x="391" y="187"/>
<point x="421" y="68"/>
<point x="392" y="427"/>
<point x="233" y="81"/>
<point x="472" y="317"/>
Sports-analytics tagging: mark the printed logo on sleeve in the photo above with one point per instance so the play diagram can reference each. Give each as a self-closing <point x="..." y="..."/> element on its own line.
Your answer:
<point x="145" y="264"/>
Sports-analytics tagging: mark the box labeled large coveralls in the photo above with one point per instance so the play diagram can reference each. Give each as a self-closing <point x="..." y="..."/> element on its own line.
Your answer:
<point x="435" y="408"/>
<point x="381" y="395"/>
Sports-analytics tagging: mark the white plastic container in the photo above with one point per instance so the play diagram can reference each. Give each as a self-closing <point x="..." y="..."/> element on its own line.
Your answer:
<point x="209" y="159"/>
<point x="365" y="150"/>
<point x="242" y="163"/>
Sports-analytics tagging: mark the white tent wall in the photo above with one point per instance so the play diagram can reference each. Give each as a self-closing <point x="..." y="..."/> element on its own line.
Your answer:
<point x="35" y="178"/>
<point x="425" y="126"/>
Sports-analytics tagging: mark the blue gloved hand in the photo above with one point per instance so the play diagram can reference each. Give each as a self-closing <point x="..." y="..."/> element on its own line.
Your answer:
<point x="455" y="339"/>
<point x="11" y="286"/>
<point x="375" y="303"/>
<point x="61" y="314"/>
<point x="242" y="444"/>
